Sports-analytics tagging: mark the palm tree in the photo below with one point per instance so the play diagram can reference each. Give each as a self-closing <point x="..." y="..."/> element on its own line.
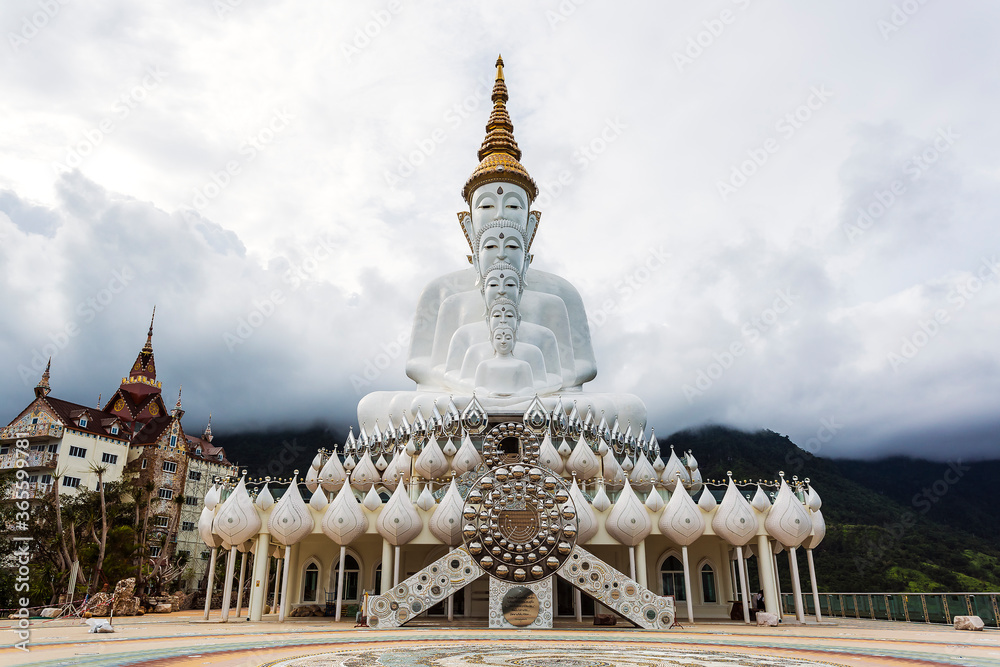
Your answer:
<point x="103" y="540"/>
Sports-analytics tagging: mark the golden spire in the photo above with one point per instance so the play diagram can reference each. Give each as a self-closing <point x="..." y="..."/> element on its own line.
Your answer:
<point x="42" y="389"/>
<point x="148" y="347"/>
<point x="499" y="155"/>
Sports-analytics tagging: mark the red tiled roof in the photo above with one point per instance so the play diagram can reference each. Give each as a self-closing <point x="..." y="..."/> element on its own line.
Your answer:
<point x="99" y="422"/>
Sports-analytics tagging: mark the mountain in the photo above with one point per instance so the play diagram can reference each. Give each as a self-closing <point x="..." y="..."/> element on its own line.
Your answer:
<point x="893" y="525"/>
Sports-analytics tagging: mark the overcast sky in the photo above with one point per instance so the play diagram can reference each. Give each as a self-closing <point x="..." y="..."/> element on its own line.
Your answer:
<point x="779" y="215"/>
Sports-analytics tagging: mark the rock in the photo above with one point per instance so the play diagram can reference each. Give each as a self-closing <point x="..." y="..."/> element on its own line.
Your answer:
<point x="100" y="604"/>
<point x="183" y="601"/>
<point x="968" y="623"/>
<point x="124" y="592"/>
<point x="605" y="619"/>
<point x="163" y="608"/>
<point x="51" y="612"/>
<point x="764" y="618"/>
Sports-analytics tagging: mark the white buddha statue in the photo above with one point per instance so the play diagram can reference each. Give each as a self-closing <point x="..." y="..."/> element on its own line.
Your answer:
<point x="503" y="374"/>
<point x="450" y="335"/>
<point x="503" y="313"/>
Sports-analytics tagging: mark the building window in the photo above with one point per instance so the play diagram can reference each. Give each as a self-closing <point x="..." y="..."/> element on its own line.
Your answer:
<point x="198" y="451"/>
<point x="218" y="456"/>
<point x="46" y="479"/>
<point x="83" y="422"/>
<point x="161" y="521"/>
<point x="143" y="466"/>
<point x="310" y="582"/>
<point x="166" y="494"/>
<point x="32" y="479"/>
<point x="351" y="576"/>
<point x="708" y="583"/>
<point x="34" y="420"/>
<point x="78" y="451"/>
<point x="71" y="482"/>
<point x="672" y="578"/>
<point x="187" y="525"/>
<point x="54" y="447"/>
<point x="191" y="500"/>
<point x="154" y="552"/>
<point x="194" y="475"/>
<point x="169" y="466"/>
<point x="109" y="458"/>
<point x="173" y="441"/>
<point x="114" y="430"/>
<point x="4" y="450"/>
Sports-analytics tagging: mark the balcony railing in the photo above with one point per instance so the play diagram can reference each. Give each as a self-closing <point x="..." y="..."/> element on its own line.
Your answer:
<point x="31" y="459"/>
<point x="911" y="607"/>
<point x="32" y="431"/>
<point x="35" y="491"/>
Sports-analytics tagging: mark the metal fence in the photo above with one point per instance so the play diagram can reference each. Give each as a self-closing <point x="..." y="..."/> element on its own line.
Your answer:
<point x="912" y="607"/>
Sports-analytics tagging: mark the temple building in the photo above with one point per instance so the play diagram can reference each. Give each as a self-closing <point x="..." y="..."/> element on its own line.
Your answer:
<point x="133" y="432"/>
<point x="499" y="487"/>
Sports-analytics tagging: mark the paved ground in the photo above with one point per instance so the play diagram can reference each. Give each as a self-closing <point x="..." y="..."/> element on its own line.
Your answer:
<point x="184" y="639"/>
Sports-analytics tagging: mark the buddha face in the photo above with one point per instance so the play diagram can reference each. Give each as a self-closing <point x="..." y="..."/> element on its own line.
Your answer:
<point x="501" y="282"/>
<point x="495" y="201"/>
<point x="503" y="341"/>
<point x="502" y="244"/>
<point x="503" y="315"/>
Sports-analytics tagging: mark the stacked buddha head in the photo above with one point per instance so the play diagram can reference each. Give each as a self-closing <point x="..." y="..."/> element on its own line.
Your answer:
<point x="499" y="330"/>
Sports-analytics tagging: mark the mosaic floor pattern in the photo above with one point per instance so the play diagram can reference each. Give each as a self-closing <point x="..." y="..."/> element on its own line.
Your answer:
<point x="547" y="655"/>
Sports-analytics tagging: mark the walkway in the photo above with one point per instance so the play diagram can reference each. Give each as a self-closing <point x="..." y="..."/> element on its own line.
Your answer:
<point x="183" y="639"/>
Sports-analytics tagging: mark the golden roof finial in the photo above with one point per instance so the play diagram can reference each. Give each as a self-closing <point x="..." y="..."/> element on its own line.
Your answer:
<point x="499" y="155"/>
<point x="148" y="347"/>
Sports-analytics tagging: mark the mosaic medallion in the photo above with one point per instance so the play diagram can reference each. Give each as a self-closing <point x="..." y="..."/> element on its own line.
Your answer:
<point x="520" y="523"/>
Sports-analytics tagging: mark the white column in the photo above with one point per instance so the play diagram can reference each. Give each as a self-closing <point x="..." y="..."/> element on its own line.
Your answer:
<point x="239" y="590"/>
<point x="340" y="582"/>
<point x="211" y="580"/>
<point x="386" y="567"/>
<point x="284" y="585"/>
<point x="765" y="572"/>
<point x="793" y="565"/>
<point x="743" y="584"/>
<point x="451" y="607"/>
<point x="578" y="604"/>
<point x="777" y="584"/>
<point x="395" y="567"/>
<point x="258" y="593"/>
<point x="227" y="589"/>
<point x="687" y="584"/>
<point x="812" y="580"/>
<point x="631" y="562"/>
<point x="640" y="564"/>
<point x="278" y="566"/>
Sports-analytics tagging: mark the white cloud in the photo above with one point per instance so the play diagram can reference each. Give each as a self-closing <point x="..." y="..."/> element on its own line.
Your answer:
<point x="286" y="123"/>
